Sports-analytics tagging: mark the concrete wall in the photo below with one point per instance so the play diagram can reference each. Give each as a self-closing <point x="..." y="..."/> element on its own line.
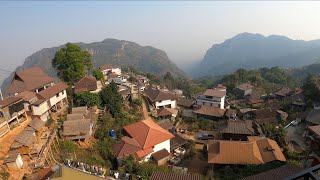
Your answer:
<point x="172" y="104"/>
<point x="41" y="109"/>
<point x="216" y="102"/>
<point x="55" y="99"/>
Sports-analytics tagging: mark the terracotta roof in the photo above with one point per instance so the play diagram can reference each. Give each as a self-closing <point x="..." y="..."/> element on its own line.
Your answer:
<point x="221" y="86"/>
<point x="156" y="95"/>
<point x="87" y="83"/>
<point x="126" y="146"/>
<point x="166" y="124"/>
<point x="37" y="124"/>
<point x="315" y="130"/>
<point x="284" y="91"/>
<point x="210" y="111"/>
<point x="237" y="127"/>
<point x="259" y="151"/>
<point x="214" y="93"/>
<point x="108" y="67"/>
<point x="9" y="101"/>
<point x="159" y="155"/>
<point x="28" y="79"/>
<point x="52" y="91"/>
<point x="143" y="152"/>
<point x="166" y="111"/>
<point x="157" y="175"/>
<point x="314" y="116"/>
<point x="245" y="86"/>
<point x="233" y="152"/>
<point x="149" y="133"/>
<point x="279" y="173"/>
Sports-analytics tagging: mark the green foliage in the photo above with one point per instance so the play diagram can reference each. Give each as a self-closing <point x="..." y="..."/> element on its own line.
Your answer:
<point x="87" y="99"/>
<point x="111" y="99"/>
<point x="49" y="122"/>
<point x="198" y="123"/>
<point x="69" y="146"/>
<point x="97" y="73"/>
<point x="310" y="89"/>
<point x="71" y="63"/>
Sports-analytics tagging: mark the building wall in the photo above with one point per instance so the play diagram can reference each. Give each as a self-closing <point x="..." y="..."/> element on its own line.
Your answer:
<point x="19" y="162"/>
<point x="163" y="145"/>
<point x="40" y="109"/>
<point x="55" y="99"/>
<point x="216" y="102"/>
<point x="172" y="104"/>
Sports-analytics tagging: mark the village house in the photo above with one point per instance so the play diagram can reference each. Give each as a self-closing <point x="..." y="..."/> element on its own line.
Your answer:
<point x="50" y="101"/>
<point x="13" y="160"/>
<point x="209" y="112"/>
<point x="150" y="140"/>
<point x="158" y="98"/>
<point x="298" y="100"/>
<point x="106" y="70"/>
<point x="89" y="84"/>
<point x="283" y="92"/>
<point x="252" y="152"/>
<point x="212" y="97"/>
<point x="243" y="90"/>
<point x="266" y="116"/>
<point x="26" y="142"/>
<point x="144" y="80"/>
<point x="313" y="117"/>
<point x="32" y="79"/>
<point x="78" y="125"/>
<point x="185" y="103"/>
<point x="167" y="113"/>
<point x="117" y="78"/>
<point x="12" y="113"/>
<point x="240" y="130"/>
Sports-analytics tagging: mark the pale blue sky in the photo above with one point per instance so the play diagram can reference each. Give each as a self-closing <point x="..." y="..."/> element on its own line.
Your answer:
<point x="184" y="29"/>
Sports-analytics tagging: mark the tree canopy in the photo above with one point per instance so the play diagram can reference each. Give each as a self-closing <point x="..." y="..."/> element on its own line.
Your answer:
<point x="71" y="63"/>
<point x="87" y="99"/>
<point x="111" y="99"/>
<point x="97" y="73"/>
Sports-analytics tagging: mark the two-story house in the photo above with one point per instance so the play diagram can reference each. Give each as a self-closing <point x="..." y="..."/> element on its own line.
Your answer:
<point x="212" y="97"/>
<point x="159" y="98"/>
<point x="12" y="113"/>
<point x="31" y="79"/>
<point x="50" y="101"/>
<point x="243" y="90"/>
<point x="106" y="70"/>
<point x="144" y="139"/>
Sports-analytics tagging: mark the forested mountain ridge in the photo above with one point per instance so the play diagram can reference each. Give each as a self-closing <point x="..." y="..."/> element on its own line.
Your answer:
<point x="109" y="52"/>
<point x="251" y="51"/>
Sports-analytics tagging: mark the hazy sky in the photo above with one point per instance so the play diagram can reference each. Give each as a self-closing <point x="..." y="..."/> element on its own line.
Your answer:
<point x="184" y="29"/>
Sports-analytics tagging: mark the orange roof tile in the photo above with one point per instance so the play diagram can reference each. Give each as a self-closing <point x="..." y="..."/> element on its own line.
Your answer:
<point x="147" y="133"/>
<point x="214" y="93"/>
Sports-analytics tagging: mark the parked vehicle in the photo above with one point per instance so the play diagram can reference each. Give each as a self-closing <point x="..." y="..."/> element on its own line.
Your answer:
<point x="205" y="136"/>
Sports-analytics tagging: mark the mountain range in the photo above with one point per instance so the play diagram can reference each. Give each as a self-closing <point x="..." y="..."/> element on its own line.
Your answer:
<point x="250" y="51"/>
<point x="109" y="52"/>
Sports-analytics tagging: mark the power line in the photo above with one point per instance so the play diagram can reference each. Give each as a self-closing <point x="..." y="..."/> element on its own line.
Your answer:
<point x="5" y="70"/>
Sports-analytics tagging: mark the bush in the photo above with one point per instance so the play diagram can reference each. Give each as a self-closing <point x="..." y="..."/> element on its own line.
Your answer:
<point x="87" y="99"/>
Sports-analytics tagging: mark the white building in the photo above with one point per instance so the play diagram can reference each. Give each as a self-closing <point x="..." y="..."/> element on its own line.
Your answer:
<point x="106" y="70"/>
<point x="212" y="97"/>
<point x="160" y="98"/>
<point x="50" y="101"/>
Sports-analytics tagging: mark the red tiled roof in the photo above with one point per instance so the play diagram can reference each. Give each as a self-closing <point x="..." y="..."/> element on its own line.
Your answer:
<point x="52" y="91"/>
<point x="256" y="151"/>
<point x="149" y="133"/>
<point x="113" y="75"/>
<point x="214" y="93"/>
<point x="126" y="146"/>
<point x="28" y="79"/>
<point x="210" y="111"/>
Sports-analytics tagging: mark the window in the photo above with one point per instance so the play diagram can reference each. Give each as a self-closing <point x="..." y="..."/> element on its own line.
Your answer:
<point x="57" y="95"/>
<point x="1" y="115"/>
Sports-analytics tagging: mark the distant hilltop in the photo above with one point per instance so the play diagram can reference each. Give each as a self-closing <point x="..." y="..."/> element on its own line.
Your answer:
<point x="250" y="51"/>
<point x="109" y="51"/>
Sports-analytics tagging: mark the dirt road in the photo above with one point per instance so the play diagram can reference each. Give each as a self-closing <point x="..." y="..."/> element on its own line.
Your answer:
<point x="145" y="110"/>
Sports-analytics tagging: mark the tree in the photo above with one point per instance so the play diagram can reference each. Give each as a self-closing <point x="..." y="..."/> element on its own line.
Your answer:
<point x="87" y="99"/>
<point x="310" y="90"/>
<point x="71" y="63"/>
<point x="111" y="99"/>
<point x="97" y="73"/>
